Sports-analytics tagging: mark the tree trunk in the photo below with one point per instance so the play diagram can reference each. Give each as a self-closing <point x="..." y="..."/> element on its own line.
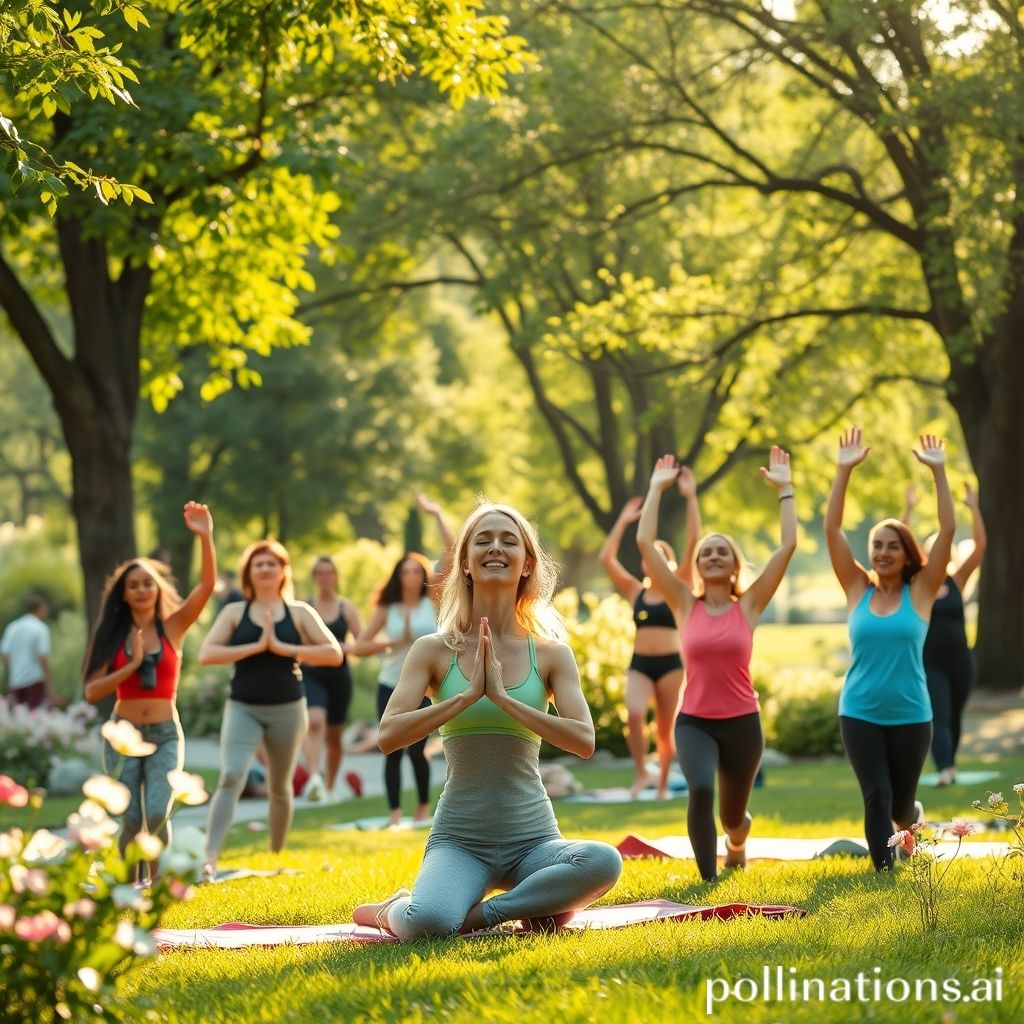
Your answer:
<point x="987" y="398"/>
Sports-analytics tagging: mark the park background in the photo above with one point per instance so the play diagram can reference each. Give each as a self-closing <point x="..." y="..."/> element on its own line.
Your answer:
<point x="320" y="257"/>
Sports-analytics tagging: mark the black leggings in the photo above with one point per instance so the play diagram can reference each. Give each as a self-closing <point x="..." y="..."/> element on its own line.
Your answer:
<point x="949" y="685"/>
<point x="732" y="747"/>
<point x="393" y="761"/>
<point x="887" y="760"/>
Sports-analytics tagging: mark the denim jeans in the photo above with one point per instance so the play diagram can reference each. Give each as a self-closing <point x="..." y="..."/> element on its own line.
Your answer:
<point x="146" y="778"/>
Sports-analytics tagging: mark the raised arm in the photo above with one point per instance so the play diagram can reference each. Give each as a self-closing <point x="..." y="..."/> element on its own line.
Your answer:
<point x="319" y="645"/>
<point x="678" y="595"/>
<point x="573" y="728"/>
<point x="404" y="721"/>
<point x="687" y="484"/>
<point x="910" y="500"/>
<point x="217" y="648"/>
<point x="927" y="582"/>
<point x="199" y="521"/>
<point x="779" y="475"/>
<point x="850" y="573"/>
<point x="966" y="568"/>
<point x="624" y="581"/>
<point x="432" y="509"/>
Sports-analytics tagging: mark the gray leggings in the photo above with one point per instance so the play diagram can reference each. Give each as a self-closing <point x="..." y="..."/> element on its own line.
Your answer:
<point x="495" y="829"/>
<point x="146" y="778"/>
<point x="547" y="879"/>
<point x="282" y="727"/>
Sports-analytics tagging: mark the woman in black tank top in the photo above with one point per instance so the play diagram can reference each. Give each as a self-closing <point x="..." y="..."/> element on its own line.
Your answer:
<point x="948" y="662"/>
<point x="266" y="638"/>
<point x="656" y="669"/>
<point x="328" y="690"/>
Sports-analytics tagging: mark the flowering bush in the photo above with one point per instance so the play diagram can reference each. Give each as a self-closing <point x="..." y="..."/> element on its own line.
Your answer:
<point x="201" y="699"/>
<point x="32" y="739"/>
<point x="927" y="869"/>
<point x="601" y="637"/>
<point x="71" y="921"/>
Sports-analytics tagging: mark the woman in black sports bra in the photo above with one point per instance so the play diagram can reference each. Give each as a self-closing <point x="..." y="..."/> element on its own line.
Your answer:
<point x="948" y="661"/>
<point x="656" y="670"/>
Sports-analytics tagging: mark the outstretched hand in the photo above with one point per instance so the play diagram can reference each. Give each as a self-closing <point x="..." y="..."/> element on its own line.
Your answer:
<point x="778" y="473"/>
<point x="664" y="473"/>
<point x="430" y="508"/>
<point x="933" y="451"/>
<point x="198" y="519"/>
<point x="631" y="510"/>
<point x="686" y="481"/>
<point x="851" y="450"/>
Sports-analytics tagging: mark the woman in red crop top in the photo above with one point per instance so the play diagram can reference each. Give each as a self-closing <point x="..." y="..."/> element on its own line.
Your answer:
<point x="656" y="670"/>
<point x="135" y="650"/>
<point x="718" y="729"/>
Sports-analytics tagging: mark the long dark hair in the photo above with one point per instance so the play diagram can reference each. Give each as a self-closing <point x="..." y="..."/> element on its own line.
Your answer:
<point x="114" y="622"/>
<point x="391" y="592"/>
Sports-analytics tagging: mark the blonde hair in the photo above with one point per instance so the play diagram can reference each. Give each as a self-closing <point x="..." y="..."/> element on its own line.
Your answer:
<point x="534" y="611"/>
<point x="740" y="581"/>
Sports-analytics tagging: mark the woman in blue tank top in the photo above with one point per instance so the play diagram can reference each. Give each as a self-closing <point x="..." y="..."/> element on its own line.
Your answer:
<point x="491" y="671"/>
<point x="885" y="714"/>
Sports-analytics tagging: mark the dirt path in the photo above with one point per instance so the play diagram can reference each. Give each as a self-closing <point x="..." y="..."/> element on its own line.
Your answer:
<point x="993" y="725"/>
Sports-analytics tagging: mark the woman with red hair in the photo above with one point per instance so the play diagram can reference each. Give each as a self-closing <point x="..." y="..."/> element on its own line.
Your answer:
<point x="885" y="714"/>
<point x="267" y="637"/>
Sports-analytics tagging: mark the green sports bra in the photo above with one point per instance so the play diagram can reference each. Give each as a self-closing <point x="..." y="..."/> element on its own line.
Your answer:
<point x="484" y="717"/>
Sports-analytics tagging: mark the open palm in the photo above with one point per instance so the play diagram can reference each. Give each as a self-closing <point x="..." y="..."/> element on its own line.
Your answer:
<point x="851" y="448"/>
<point x="778" y="473"/>
<point x="933" y="451"/>
<point x="665" y="471"/>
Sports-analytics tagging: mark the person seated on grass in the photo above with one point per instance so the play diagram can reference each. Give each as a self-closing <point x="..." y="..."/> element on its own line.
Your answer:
<point x="491" y="671"/>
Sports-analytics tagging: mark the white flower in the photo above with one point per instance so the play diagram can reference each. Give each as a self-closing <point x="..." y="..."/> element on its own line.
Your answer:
<point x="149" y="845"/>
<point x="90" y="827"/>
<point x="44" y="846"/>
<point x="138" y="940"/>
<point x="90" y="978"/>
<point x="113" y="795"/>
<point x="186" y="853"/>
<point x="187" y="788"/>
<point x="10" y="843"/>
<point x="127" y="897"/>
<point x="126" y="739"/>
<point x="34" y="880"/>
<point x="1019" y="789"/>
<point x="995" y="799"/>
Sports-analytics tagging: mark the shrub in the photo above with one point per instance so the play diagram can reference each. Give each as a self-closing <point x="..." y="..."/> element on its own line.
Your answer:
<point x="601" y="636"/>
<point x="32" y="739"/>
<point x="31" y="562"/>
<point x="71" y="921"/>
<point x="800" y="712"/>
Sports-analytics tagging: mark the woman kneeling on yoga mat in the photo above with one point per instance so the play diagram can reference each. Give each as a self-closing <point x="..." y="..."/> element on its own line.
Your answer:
<point x="491" y="671"/>
<point x="718" y="729"/>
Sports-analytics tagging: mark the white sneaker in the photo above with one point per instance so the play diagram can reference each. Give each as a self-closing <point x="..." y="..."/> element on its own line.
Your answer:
<point x="315" y="789"/>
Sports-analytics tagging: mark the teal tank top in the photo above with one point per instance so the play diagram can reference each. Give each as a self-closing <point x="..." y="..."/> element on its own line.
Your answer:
<point x="485" y="717"/>
<point x="886" y="684"/>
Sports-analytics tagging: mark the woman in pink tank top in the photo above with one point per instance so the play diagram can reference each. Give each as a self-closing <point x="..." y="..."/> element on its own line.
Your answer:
<point x="718" y="728"/>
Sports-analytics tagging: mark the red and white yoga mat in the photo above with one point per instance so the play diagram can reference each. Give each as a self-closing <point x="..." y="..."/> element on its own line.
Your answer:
<point x="237" y="936"/>
<point x="776" y="848"/>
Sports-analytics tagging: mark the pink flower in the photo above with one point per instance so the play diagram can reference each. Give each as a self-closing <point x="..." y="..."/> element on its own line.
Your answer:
<point x="905" y="839"/>
<point x="34" y="880"/>
<point x="82" y="907"/>
<point x="961" y="828"/>
<point x="42" y="926"/>
<point x="7" y="916"/>
<point x="11" y="793"/>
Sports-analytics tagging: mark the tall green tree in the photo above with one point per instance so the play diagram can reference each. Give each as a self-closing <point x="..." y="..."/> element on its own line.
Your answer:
<point x="240" y="136"/>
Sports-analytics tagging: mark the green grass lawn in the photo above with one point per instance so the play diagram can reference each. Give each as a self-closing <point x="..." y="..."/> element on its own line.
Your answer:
<point x="858" y="921"/>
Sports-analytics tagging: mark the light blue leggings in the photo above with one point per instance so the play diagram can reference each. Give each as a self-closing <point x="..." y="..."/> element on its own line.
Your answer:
<point x="545" y="879"/>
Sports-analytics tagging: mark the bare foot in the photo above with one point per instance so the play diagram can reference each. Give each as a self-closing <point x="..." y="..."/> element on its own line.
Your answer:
<point x="663" y="793"/>
<point x="640" y="783"/>
<point x="422" y="812"/>
<point x="395" y="817"/>
<point x="375" y="915"/>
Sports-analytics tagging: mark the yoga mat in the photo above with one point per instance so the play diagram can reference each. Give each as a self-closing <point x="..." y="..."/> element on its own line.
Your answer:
<point x="377" y="825"/>
<point x="619" y="795"/>
<point x="236" y="936"/>
<point x="769" y="848"/>
<point x="233" y="874"/>
<point x="962" y="778"/>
